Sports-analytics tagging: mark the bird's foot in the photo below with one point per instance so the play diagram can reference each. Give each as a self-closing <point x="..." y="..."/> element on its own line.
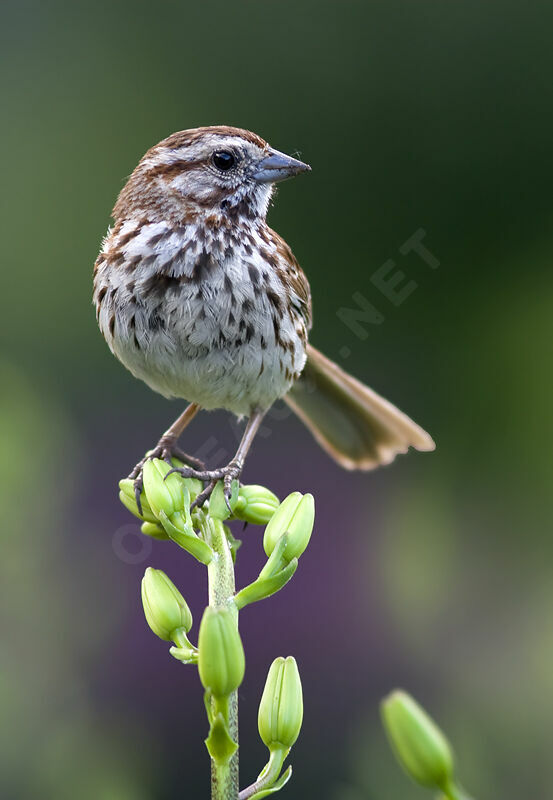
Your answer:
<point x="227" y="474"/>
<point x="166" y="449"/>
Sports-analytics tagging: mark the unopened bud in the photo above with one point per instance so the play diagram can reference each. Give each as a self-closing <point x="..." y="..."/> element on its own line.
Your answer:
<point x="220" y="506"/>
<point x="194" y="486"/>
<point x="294" y="516"/>
<point x="281" y="708"/>
<point x="418" y="743"/>
<point x="164" y="606"/>
<point x="255" y="504"/>
<point x="128" y="498"/>
<point x="163" y="494"/>
<point x="154" y="530"/>
<point x="221" y="662"/>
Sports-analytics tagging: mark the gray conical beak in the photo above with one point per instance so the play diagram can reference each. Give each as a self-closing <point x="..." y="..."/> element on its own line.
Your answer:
<point x="278" y="166"/>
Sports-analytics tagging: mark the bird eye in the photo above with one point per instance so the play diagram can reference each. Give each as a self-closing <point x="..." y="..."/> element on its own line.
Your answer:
<point x="224" y="160"/>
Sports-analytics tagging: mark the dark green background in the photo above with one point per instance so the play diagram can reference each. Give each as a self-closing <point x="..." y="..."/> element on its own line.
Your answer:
<point x="434" y="574"/>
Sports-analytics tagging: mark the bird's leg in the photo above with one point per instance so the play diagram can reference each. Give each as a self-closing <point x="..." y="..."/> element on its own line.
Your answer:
<point x="166" y="449"/>
<point x="232" y="470"/>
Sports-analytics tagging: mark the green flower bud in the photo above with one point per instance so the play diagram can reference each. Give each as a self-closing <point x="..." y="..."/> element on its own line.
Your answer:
<point x="294" y="516"/>
<point x="154" y="530"/>
<point x="194" y="486"/>
<point x="221" y="662"/>
<point x="219" y="506"/>
<point x="419" y="745"/>
<point x="162" y="495"/>
<point x="255" y="504"/>
<point x="164" y="606"/>
<point x="128" y="498"/>
<point x="281" y="708"/>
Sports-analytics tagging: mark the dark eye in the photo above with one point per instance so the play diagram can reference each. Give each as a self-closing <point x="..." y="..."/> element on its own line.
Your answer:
<point x="224" y="160"/>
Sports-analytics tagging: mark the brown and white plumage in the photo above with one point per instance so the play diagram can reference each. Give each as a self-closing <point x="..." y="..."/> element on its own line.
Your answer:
<point x="199" y="298"/>
<point x="207" y="304"/>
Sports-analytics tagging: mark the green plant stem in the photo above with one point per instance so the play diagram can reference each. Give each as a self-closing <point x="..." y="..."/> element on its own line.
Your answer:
<point x="452" y="792"/>
<point x="269" y="774"/>
<point x="220" y="572"/>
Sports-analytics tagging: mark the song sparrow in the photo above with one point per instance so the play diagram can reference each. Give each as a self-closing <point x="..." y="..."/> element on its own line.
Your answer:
<point x="199" y="298"/>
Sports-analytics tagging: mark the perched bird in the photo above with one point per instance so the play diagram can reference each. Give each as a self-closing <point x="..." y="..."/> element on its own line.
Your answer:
<point x="199" y="298"/>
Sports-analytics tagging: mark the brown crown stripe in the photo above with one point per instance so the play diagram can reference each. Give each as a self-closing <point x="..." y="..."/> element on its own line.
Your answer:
<point x="184" y="138"/>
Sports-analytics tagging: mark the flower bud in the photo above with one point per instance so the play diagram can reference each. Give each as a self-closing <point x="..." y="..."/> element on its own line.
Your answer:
<point x="221" y="661"/>
<point x="220" y="506"/>
<point x="128" y="498"/>
<point x="162" y="494"/>
<point x="255" y="504"/>
<point x="294" y="516"/>
<point x="154" y="530"/>
<point x="194" y="486"/>
<point x="164" y="606"/>
<point x="281" y="708"/>
<point x="418" y="743"/>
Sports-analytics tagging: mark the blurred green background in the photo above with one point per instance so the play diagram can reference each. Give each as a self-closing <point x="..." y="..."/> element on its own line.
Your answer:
<point x="434" y="574"/>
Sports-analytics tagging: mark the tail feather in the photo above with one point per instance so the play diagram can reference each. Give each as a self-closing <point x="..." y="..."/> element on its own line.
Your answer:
<point x="356" y="426"/>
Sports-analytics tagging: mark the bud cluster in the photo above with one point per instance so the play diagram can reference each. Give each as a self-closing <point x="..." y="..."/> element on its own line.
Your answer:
<point x="164" y="509"/>
<point x="168" y="497"/>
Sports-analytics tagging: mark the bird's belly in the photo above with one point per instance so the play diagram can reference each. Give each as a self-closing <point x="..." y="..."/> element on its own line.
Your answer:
<point x="198" y="342"/>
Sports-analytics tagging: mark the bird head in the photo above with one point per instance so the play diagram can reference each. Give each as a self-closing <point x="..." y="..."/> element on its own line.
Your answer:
<point x="218" y="169"/>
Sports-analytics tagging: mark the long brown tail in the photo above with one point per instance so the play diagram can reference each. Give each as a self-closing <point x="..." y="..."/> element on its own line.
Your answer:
<point x="356" y="426"/>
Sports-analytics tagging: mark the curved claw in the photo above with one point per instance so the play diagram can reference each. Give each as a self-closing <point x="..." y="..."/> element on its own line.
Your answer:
<point x="227" y="484"/>
<point x="200" y="499"/>
<point x="138" y="485"/>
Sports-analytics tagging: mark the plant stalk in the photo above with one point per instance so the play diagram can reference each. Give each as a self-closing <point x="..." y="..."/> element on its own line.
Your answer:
<point x="452" y="792"/>
<point x="269" y="774"/>
<point x="220" y="572"/>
